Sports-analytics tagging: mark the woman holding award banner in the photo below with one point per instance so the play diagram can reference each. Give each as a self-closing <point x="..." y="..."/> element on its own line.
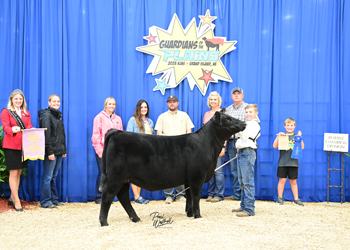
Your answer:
<point x="13" y="119"/>
<point x="55" y="150"/>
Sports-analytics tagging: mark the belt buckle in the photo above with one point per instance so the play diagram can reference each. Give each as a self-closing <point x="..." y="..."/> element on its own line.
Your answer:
<point x="241" y="149"/>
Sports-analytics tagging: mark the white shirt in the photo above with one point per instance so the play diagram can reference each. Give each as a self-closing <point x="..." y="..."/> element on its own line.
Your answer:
<point x="18" y="111"/>
<point x="251" y="130"/>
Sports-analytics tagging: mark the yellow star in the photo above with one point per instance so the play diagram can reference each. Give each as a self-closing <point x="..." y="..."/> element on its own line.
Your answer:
<point x="207" y="18"/>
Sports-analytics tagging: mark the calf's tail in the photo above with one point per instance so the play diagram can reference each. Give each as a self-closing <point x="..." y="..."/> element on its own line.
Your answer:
<point x="104" y="177"/>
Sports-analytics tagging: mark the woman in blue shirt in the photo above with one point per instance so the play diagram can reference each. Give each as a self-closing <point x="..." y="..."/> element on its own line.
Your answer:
<point x="140" y="123"/>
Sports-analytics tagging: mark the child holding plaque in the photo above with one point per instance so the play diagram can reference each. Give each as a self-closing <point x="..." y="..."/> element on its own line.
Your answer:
<point x="288" y="163"/>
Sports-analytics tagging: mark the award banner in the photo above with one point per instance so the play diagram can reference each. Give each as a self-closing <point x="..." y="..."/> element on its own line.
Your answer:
<point x="33" y="144"/>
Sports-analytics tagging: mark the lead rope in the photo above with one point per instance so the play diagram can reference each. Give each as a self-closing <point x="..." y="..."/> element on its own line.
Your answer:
<point x="214" y="171"/>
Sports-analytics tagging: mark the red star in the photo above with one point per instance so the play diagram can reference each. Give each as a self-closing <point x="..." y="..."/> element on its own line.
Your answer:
<point x="151" y="38"/>
<point x="206" y="77"/>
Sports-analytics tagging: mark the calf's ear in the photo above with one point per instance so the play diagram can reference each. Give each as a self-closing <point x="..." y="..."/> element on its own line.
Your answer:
<point x="218" y="117"/>
<point x="223" y="110"/>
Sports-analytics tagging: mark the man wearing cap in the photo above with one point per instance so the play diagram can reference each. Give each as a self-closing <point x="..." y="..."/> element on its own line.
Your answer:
<point x="174" y="122"/>
<point x="236" y="110"/>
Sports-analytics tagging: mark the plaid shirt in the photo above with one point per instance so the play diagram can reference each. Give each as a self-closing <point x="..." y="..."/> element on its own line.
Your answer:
<point x="239" y="112"/>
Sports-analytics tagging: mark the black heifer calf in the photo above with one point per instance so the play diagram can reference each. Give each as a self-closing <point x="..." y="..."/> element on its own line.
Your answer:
<point x="159" y="162"/>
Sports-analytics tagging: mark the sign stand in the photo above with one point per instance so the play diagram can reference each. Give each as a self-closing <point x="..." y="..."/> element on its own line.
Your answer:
<point x="336" y="143"/>
<point x="342" y="176"/>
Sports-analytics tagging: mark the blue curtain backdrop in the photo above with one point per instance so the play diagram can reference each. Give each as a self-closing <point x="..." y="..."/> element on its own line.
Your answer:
<point x="292" y="59"/>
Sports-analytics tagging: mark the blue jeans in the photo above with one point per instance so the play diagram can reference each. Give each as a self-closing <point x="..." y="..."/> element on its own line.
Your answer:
<point x="245" y="168"/>
<point x="170" y="192"/>
<point x="216" y="187"/>
<point x="48" y="181"/>
<point x="98" y="194"/>
<point x="236" y="189"/>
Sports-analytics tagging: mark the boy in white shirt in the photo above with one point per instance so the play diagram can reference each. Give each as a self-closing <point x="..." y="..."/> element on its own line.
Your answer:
<point x="246" y="146"/>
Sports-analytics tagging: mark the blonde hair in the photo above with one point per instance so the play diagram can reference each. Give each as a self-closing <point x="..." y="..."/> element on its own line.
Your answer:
<point x="252" y="106"/>
<point x="51" y="96"/>
<point x="24" y="104"/>
<point x="214" y="93"/>
<point x="289" y="120"/>
<point x="107" y="100"/>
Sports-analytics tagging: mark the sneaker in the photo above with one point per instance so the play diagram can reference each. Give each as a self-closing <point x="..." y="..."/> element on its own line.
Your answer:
<point x="98" y="201"/>
<point x="59" y="204"/>
<point x="181" y="199"/>
<point x="168" y="200"/>
<point x="298" y="202"/>
<point x="236" y="210"/>
<point x="144" y="201"/>
<point x="280" y="201"/>
<point x="51" y="206"/>
<point x="215" y="200"/>
<point x="209" y="199"/>
<point x="141" y="200"/>
<point x="242" y="214"/>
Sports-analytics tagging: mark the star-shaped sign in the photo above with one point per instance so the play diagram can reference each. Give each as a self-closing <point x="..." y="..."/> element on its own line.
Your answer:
<point x="207" y="18"/>
<point x="191" y="52"/>
<point x="151" y="38"/>
<point x="161" y="85"/>
<point x="206" y="77"/>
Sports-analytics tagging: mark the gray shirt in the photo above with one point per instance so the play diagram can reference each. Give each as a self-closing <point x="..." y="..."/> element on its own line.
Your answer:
<point x="286" y="155"/>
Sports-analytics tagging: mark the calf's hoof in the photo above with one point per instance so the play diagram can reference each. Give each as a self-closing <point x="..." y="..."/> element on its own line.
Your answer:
<point x="189" y="214"/>
<point x="104" y="223"/>
<point x="137" y="219"/>
<point x="196" y="216"/>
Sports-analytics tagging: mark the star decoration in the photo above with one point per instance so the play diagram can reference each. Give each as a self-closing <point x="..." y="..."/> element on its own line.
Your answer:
<point x="207" y="18"/>
<point x="181" y="53"/>
<point x="206" y="77"/>
<point x="161" y="85"/>
<point x="151" y="38"/>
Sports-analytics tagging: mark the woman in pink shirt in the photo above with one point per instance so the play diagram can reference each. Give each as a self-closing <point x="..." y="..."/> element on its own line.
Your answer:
<point x="103" y="122"/>
<point x="216" y="187"/>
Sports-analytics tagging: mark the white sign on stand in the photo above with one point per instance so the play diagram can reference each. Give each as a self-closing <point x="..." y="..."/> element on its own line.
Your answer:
<point x="336" y="142"/>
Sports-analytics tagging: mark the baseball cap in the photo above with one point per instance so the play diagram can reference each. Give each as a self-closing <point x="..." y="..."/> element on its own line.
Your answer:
<point x="172" y="98"/>
<point x="237" y="89"/>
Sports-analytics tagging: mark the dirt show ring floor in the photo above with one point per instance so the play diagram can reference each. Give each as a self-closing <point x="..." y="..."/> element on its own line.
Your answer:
<point x="76" y="226"/>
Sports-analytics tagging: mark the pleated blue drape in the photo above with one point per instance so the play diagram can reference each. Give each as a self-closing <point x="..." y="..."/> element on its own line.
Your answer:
<point x="292" y="59"/>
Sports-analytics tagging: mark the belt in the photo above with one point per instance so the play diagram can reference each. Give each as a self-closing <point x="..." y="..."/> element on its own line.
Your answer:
<point x="242" y="149"/>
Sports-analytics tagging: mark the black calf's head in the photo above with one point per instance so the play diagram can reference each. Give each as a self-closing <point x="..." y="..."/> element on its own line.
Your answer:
<point x="226" y="125"/>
